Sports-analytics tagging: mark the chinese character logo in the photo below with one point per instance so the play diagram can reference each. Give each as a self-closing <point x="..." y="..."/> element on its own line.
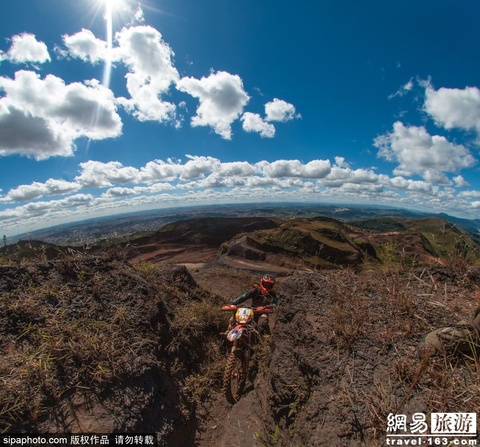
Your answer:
<point x="454" y="423"/>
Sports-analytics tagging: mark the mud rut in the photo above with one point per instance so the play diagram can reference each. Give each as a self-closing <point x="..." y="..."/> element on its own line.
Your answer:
<point x="303" y="370"/>
<point x="242" y="424"/>
<point x="299" y="365"/>
<point x="333" y="370"/>
<point x="228" y="426"/>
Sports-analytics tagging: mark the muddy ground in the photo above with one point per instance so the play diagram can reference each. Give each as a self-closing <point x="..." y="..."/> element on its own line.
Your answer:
<point x="346" y="350"/>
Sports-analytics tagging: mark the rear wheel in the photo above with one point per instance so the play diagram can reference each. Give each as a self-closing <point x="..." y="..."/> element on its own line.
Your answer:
<point x="234" y="376"/>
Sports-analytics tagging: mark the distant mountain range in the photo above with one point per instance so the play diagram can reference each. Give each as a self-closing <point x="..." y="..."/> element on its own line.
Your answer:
<point x="124" y="225"/>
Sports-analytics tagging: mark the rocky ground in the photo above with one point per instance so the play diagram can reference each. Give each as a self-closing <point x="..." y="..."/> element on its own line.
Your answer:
<point x="345" y="351"/>
<point x="101" y="344"/>
<point x="87" y="347"/>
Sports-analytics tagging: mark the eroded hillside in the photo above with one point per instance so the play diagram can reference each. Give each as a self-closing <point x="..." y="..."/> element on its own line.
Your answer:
<point x="347" y="350"/>
<point x="96" y="343"/>
<point x="329" y="243"/>
<point x="92" y="344"/>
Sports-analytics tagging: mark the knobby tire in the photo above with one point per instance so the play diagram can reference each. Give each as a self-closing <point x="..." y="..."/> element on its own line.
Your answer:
<point x="234" y="377"/>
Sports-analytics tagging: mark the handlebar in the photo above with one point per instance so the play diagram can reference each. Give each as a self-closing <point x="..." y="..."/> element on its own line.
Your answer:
<point x="268" y="309"/>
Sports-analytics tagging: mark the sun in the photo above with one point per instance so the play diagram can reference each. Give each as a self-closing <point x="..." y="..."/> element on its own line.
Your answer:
<point x="112" y="9"/>
<point x="114" y="5"/>
<point x="111" y="4"/>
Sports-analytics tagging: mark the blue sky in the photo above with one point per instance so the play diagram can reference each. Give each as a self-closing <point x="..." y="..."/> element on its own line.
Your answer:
<point x="115" y="106"/>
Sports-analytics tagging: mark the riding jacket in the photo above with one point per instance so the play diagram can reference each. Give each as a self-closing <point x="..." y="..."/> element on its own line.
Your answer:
<point x="258" y="297"/>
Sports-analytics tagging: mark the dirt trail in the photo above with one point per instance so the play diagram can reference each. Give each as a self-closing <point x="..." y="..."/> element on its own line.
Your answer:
<point x="342" y="357"/>
<point x="172" y="253"/>
<point x="239" y="425"/>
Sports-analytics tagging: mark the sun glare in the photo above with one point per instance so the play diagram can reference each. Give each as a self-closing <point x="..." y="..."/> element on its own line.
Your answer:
<point x="109" y="32"/>
<point x="113" y="10"/>
<point x="113" y="5"/>
<point x="115" y="14"/>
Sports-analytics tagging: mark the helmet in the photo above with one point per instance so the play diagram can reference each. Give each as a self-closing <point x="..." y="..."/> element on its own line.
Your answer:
<point x="266" y="283"/>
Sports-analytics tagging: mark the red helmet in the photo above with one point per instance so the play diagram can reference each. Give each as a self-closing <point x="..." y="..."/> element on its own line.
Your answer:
<point x="266" y="283"/>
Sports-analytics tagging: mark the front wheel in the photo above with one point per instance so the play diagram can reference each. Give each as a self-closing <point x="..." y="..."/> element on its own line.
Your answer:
<point x="234" y="376"/>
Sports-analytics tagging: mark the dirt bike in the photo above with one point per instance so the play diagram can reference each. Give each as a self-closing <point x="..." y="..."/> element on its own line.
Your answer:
<point x="243" y="337"/>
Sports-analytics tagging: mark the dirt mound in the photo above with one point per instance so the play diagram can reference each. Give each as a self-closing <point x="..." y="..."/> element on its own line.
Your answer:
<point x="93" y="345"/>
<point x="315" y="242"/>
<point x="345" y="350"/>
<point x="192" y="240"/>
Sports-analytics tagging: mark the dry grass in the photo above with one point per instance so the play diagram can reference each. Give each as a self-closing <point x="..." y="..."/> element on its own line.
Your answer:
<point x="82" y="329"/>
<point x="392" y="309"/>
<point x="195" y="321"/>
<point x="451" y="383"/>
<point x="63" y="334"/>
<point x="199" y="385"/>
<point x="350" y="316"/>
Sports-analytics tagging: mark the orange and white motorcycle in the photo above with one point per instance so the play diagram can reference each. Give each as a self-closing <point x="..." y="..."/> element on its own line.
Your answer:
<point x="243" y="337"/>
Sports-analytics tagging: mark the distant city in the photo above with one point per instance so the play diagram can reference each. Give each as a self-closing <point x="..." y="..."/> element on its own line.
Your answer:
<point x="122" y="225"/>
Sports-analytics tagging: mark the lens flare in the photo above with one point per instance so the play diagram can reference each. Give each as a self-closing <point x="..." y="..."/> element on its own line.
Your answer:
<point x="109" y="8"/>
<point x="107" y="71"/>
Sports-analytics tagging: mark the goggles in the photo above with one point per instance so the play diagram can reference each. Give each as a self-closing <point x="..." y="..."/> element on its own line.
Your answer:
<point x="267" y="285"/>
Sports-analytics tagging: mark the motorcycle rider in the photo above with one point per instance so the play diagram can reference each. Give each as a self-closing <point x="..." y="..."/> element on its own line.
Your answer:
<point x="261" y="295"/>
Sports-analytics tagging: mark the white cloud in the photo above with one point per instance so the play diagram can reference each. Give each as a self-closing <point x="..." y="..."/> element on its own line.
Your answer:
<point x="36" y="137"/>
<point x="469" y="194"/>
<point x="113" y="193"/>
<point x="26" y="48"/>
<point x="41" y="118"/>
<point x="403" y="90"/>
<point x="116" y="192"/>
<point x="203" y="179"/>
<point x="138" y="14"/>
<point x="407" y="184"/>
<point x="276" y="110"/>
<point x="435" y="176"/>
<point x="280" y="110"/>
<point x="159" y="170"/>
<point x="85" y="46"/>
<point x="342" y="174"/>
<point x="236" y="169"/>
<point x="252" y="122"/>
<point x="197" y="167"/>
<point x="46" y="208"/>
<point x="460" y="182"/>
<point x="222" y="100"/>
<point x="362" y="189"/>
<point x="315" y="169"/>
<point x="96" y="174"/>
<point x="454" y="108"/>
<point x="341" y="162"/>
<point x="149" y="58"/>
<point x="35" y="190"/>
<point x="418" y="152"/>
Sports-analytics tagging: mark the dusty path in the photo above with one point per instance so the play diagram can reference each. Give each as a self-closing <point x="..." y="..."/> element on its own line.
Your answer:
<point x="233" y="426"/>
<point x="172" y="253"/>
<point x="257" y="266"/>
